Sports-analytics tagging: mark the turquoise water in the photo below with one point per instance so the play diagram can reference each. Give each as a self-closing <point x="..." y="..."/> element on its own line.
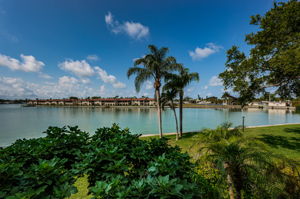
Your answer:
<point x="28" y="122"/>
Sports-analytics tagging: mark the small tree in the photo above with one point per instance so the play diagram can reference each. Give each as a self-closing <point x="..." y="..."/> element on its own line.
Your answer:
<point x="167" y="98"/>
<point x="179" y="82"/>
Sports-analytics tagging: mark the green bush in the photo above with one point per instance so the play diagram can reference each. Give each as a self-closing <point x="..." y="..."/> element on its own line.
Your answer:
<point x="134" y="168"/>
<point x="118" y="165"/>
<point x="44" y="179"/>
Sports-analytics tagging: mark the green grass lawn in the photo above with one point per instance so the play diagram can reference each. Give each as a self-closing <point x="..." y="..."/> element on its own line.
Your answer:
<point x="283" y="140"/>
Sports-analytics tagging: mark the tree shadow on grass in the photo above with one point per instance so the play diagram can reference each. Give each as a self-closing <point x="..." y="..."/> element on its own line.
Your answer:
<point x="292" y="130"/>
<point x="189" y="134"/>
<point x="276" y="141"/>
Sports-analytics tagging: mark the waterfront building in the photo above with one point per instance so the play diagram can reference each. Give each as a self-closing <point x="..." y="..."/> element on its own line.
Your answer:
<point x="271" y="104"/>
<point x="95" y="102"/>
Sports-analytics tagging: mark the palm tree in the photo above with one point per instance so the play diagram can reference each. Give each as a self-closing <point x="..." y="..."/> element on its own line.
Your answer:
<point x="179" y="82"/>
<point x="156" y="65"/>
<point x="247" y="167"/>
<point x="167" y="98"/>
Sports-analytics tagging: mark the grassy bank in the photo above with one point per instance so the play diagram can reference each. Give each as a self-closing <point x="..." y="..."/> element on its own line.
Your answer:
<point x="283" y="140"/>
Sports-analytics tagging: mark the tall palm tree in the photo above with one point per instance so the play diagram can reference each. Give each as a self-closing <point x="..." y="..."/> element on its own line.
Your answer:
<point x="179" y="82"/>
<point x="156" y="65"/>
<point x="167" y="98"/>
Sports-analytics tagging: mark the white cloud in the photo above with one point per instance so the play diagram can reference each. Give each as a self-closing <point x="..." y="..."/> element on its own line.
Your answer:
<point x="12" y="88"/>
<point x="134" y="29"/>
<point x="78" y="68"/>
<point x="102" y="90"/>
<point x="83" y="69"/>
<point x="28" y="63"/>
<point x="205" y="87"/>
<point x="200" y="53"/>
<point x="215" y="81"/>
<point x="92" y="58"/>
<point x="45" y="76"/>
<point x="149" y="85"/>
<point x="66" y="80"/>
<point x="85" y="80"/>
<point x="106" y="78"/>
<point x="109" y="18"/>
<point x="118" y="85"/>
<point x="190" y="90"/>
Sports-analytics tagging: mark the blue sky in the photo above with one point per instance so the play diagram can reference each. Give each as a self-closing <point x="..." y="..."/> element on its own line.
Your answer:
<point x="57" y="49"/>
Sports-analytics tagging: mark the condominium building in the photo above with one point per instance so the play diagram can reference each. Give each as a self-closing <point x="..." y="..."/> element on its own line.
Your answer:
<point x="95" y="102"/>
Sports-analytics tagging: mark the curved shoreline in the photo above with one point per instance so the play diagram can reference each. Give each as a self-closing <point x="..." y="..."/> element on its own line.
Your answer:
<point x="247" y="127"/>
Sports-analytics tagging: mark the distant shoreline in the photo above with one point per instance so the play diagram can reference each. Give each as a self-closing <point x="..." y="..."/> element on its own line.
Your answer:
<point x="184" y="106"/>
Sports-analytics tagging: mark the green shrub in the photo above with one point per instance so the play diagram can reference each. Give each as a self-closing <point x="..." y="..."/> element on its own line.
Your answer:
<point x="118" y="165"/>
<point x="45" y="179"/>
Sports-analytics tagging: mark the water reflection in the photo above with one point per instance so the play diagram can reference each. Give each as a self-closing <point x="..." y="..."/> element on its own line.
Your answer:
<point x="19" y="122"/>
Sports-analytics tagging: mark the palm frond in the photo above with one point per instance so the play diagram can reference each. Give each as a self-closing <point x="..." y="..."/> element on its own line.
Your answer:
<point x="153" y="49"/>
<point x="140" y="61"/>
<point x="163" y="52"/>
<point x="141" y="78"/>
<point x="136" y="71"/>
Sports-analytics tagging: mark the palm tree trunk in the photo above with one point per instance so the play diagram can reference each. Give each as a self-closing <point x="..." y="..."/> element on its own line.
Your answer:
<point x="176" y="122"/>
<point x="229" y="181"/>
<point x="157" y="93"/>
<point x="180" y="111"/>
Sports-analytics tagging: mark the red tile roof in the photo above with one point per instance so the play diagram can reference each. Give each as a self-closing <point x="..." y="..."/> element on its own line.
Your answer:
<point x="99" y="99"/>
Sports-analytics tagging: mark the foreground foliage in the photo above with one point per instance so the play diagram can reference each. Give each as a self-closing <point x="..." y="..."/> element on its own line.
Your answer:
<point x="248" y="169"/>
<point x="117" y="163"/>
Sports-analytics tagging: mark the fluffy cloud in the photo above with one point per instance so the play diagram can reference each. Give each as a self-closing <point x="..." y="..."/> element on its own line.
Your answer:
<point x="136" y="30"/>
<point x="92" y="58"/>
<point x="14" y="88"/>
<point x="106" y="78"/>
<point x="102" y="90"/>
<point x="28" y="63"/>
<point x="66" y="86"/>
<point x="67" y="81"/>
<point x="85" y="80"/>
<point x="200" y="53"/>
<point x="215" y="81"/>
<point x="109" y="19"/>
<point x="133" y="29"/>
<point x="149" y="85"/>
<point x="118" y="85"/>
<point x="78" y="68"/>
<point x="83" y="69"/>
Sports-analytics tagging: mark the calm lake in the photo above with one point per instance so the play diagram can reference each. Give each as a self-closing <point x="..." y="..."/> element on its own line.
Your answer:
<point x="29" y="122"/>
